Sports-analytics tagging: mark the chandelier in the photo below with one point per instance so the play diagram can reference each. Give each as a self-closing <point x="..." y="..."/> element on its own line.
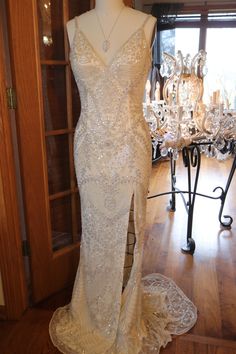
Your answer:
<point x="181" y="117"/>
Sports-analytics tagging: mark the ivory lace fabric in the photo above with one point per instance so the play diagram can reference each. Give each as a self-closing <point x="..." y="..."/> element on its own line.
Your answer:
<point x="112" y="154"/>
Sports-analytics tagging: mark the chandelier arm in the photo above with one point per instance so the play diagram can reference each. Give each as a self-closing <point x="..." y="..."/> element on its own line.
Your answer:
<point x="179" y="54"/>
<point x="171" y="58"/>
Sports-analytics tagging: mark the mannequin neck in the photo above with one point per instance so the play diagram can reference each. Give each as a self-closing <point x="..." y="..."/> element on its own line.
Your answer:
<point x="109" y="5"/>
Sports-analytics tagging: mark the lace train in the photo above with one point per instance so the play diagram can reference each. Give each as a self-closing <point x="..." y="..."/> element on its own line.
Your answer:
<point x="166" y="311"/>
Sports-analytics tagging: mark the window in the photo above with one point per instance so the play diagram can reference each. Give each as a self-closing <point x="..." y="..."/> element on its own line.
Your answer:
<point x="221" y="65"/>
<point x="186" y="40"/>
<point x="191" y="28"/>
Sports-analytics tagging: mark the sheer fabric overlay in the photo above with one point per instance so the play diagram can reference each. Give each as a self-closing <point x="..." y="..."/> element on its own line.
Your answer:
<point x="112" y="154"/>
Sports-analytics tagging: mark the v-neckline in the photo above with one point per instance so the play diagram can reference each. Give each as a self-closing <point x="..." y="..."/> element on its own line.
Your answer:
<point x="110" y="62"/>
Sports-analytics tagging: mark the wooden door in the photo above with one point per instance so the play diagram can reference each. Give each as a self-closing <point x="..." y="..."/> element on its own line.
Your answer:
<point x="15" y="298"/>
<point x="47" y="111"/>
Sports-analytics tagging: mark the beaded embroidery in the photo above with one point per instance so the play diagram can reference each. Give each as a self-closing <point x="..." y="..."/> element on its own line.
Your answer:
<point x="112" y="154"/>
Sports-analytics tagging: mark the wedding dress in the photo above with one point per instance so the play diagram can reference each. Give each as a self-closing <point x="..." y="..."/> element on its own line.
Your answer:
<point x="112" y="153"/>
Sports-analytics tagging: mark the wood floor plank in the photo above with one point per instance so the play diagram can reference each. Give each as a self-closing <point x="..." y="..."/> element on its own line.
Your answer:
<point x="208" y="340"/>
<point x="185" y="348"/>
<point x="170" y="347"/>
<point x="30" y="335"/>
<point x="206" y="295"/>
<point x="220" y="350"/>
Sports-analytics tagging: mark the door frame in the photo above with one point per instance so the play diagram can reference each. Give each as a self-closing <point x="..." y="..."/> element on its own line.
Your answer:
<point x="11" y="260"/>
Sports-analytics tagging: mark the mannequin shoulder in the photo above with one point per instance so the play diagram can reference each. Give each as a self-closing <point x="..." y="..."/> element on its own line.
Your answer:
<point x="71" y="24"/>
<point x="139" y="18"/>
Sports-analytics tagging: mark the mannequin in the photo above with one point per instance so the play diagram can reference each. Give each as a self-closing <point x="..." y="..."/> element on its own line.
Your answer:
<point x="105" y="14"/>
<point x="110" y="58"/>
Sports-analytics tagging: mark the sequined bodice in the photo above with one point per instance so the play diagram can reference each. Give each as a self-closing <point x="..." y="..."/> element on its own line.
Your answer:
<point x="111" y="124"/>
<point x="109" y="92"/>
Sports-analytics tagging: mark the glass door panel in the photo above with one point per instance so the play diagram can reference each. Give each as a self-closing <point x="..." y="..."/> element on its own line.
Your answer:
<point x="61" y="106"/>
<point x="77" y="7"/>
<point x="54" y="97"/>
<point x="58" y="161"/>
<point x="61" y="222"/>
<point x="51" y="29"/>
<point x="75" y="102"/>
<point x="78" y="214"/>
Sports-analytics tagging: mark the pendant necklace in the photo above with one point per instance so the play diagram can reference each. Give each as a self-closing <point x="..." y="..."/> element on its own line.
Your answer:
<point x="106" y="43"/>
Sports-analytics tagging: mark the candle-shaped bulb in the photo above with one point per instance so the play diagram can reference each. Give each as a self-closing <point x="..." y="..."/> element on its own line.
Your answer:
<point x="148" y="90"/>
<point x="157" y="92"/>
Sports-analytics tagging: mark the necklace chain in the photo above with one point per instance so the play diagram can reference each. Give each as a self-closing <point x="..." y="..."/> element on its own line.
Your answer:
<point x="106" y="43"/>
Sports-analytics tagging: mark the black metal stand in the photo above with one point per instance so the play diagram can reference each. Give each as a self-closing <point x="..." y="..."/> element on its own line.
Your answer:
<point x="192" y="160"/>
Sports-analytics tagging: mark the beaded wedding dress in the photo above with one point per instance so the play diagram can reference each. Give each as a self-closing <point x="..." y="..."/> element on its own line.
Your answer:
<point x="112" y="152"/>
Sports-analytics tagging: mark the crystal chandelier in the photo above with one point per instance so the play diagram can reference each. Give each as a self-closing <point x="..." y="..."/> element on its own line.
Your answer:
<point x="182" y="118"/>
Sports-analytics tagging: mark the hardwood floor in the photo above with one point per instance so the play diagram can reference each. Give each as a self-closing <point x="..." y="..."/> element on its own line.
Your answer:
<point x="208" y="277"/>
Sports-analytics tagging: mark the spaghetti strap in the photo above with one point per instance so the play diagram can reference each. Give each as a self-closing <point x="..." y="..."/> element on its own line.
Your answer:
<point x="154" y="36"/>
<point x="76" y="22"/>
<point x="146" y="20"/>
<point x="154" y="30"/>
<point x="72" y="29"/>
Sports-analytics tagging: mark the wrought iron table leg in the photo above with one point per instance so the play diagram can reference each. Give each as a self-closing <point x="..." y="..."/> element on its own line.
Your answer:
<point x="192" y="159"/>
<point x="172" y="205"/>
<point x="223" y="197"/>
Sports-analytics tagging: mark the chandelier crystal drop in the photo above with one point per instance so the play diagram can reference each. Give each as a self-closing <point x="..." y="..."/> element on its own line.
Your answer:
<point x="181" y="117"/>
